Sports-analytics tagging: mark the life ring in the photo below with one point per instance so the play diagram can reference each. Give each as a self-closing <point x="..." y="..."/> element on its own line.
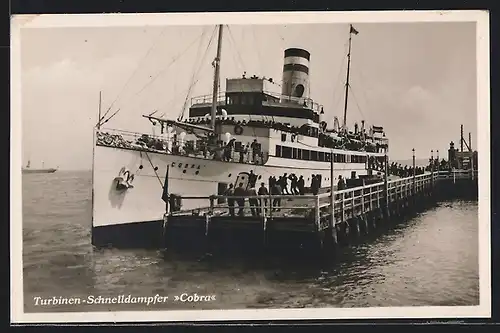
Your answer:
<point x="238" y="130"/>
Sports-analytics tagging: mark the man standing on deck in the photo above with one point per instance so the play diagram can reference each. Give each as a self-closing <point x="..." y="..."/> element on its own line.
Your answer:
<point x="240" y="192"/>
<point x="230" y="201"/>
<point x="254" y="202"/>
<point x="276" y="190"/>
<point x="255" y="150"/>
<point x="252" y="179"/>
<point x="301" y="185"/>
<point x="341" y="184"/>
<point x="264" y="192"/>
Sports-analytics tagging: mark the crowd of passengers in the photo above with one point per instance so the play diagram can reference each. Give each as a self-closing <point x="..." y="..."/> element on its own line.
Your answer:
<point x="283" y="185"/>
<point x="352" y="141"/>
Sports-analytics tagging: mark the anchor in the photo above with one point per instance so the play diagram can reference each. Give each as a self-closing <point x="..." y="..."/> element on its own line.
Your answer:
<point x="124" y="180"/>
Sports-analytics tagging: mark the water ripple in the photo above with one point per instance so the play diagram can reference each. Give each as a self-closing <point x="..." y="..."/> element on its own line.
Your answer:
<point x="430" y="260"/>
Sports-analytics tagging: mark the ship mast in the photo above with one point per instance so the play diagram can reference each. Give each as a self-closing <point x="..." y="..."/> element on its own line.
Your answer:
<point x="351" y="32"/>
<point x="216" y="78"/>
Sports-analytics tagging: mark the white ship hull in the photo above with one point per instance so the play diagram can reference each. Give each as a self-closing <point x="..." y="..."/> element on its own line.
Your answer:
<point x="141" y="207"/>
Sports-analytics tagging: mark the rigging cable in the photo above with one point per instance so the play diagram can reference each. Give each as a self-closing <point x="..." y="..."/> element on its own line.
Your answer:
<point x="259" y="57"/>
<point x="164" y="69"/>
<point x="156" y="173"/>
<point x="174" y="59"/>
<point x="235" y="47"/>
<point x="109" y="118"/>
<point x="133" y="73"/>
<point x="195" y="74"/>
<point x="357" y="104"/>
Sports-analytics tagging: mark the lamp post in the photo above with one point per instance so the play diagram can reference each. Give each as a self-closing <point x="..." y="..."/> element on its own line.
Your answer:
<point x="432" y="160"/>
<point x="413" y="155"/>
<point x="437" y="158"/>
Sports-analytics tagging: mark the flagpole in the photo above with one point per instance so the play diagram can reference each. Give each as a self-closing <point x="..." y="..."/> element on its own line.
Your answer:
<point x="347" y="79"/>
<point x="165" y="196"/>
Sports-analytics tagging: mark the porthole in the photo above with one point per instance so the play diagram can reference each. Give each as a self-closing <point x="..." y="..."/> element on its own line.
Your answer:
<point x="156" y="168"/>
<point x="260" y="177"/>
<point x="180" y="165"/>
<point x="183" y="171"/>
<point x="197" y="172"/>
<point x="229" y="175"/>
<point x="198" y="167"/>
<point x="141" y="167"/>
<point x="173" y="164"/>
<point x="192" y="166"/>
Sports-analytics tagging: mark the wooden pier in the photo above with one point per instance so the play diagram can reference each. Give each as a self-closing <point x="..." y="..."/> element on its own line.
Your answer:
<point x="303" y="222"/>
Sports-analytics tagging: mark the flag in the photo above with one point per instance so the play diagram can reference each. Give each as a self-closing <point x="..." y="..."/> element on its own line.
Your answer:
<point x="164" y="196"/>
<point x="354" y="31"/>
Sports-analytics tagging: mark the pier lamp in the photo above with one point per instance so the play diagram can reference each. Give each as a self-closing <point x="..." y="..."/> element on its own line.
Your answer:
<point x="437" y="158"/>
<point x="432" y="160"/>
<point x="413" y="156"/>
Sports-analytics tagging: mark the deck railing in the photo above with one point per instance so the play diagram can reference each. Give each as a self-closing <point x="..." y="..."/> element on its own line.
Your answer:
<point x="160" y="144"/>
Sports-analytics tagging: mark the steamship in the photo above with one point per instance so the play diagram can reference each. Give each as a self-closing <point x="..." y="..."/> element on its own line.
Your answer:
<point x="271" y="134"/>
<point x="29" y="169"/>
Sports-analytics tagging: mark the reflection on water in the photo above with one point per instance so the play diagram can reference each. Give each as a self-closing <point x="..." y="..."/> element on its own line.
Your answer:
<point x="430" y="260"/>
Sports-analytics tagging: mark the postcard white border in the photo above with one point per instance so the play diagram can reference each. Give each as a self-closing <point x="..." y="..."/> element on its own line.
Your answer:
<point x="76" y="20"/>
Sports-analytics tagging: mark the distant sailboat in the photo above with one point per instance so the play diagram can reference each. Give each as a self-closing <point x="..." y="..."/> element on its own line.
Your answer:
<point x="29" y="169"/>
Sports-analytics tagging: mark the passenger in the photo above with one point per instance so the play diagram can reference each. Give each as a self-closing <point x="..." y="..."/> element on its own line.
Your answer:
<point x="230" y="201"/>
<point x="276" y="190"/>
<point x="255" y="150"/>
<point x="315" y="184"/>
<point x="240" y="192"/>
<point x="252" y="179"/>
<point x="301" y="185"/>
<point x="341" y="184"/>
<point x="228" y="149"/>
<point x="293" y="184"/>
<point x="242" y="154"/>
<point x="283" y="181"/>
<point x="254" y="202"/>
<point x="263" y="191"/>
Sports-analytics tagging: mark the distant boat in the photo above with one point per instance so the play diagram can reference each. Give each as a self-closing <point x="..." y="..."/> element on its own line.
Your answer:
<point x="29" y="169"/>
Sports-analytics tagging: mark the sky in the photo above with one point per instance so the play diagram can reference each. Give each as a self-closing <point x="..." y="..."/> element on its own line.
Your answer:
<point x="417" y="80"/>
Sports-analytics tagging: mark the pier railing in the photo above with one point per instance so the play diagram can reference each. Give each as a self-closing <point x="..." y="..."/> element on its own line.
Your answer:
<point x="347" y="203"/>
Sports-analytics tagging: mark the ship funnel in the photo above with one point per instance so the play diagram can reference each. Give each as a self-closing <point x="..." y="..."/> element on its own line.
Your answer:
<point x="296" y="73"/>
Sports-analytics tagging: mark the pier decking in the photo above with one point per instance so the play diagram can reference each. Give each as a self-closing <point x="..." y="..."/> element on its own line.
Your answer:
<point x="318" y="221"/>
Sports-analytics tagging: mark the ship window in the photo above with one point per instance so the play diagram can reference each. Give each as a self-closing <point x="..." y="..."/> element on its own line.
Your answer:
<point x="250" y="99"/>
<point x="328" y="157"/>
<point x="283" y="137"/>
<point x="286" y="152"/>
<point x="321" y="156"/>
<point x="294" y="153"/>
<point x="314" y="155"/>
<point x="299" y="154"/>
<point x="305" y="155"/>
<point x="278" y="151"/>
<point x="236" y="99"/>
<point x="243" y="99"/>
